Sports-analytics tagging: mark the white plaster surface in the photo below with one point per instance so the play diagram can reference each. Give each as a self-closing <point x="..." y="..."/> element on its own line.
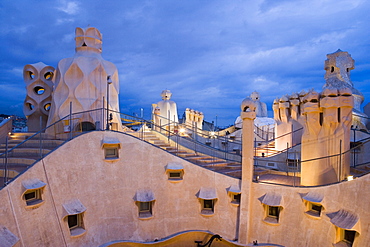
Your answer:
<point x="77" y="170"/>
<point x="36" y="106"/>
<point x="82" y="80"/>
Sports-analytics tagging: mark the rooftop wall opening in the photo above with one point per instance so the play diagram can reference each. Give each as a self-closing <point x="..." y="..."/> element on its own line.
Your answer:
<point x="74" y="217"/>
<point x="33" y="192"/>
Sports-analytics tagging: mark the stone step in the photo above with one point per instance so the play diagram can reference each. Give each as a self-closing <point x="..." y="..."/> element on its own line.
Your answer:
<point x="150" y="138"/>
<point x="168" y="148"/>
<point x="197" y="157"/>
<point x="22" y="152"/>
<point x="33" y="144"/>
<point x="212" y="160"/>
<point x="18" y="160"/>
<point x="235" y="174"/>
<point x="175" y="151"/>
<point x="49" y="141"/>
<point x="184" y="155"/>
<point x="15" y="167"/>
<point x="360" y="170"/>
<point x="145" y="135"/>
<point x="11" y="173"/>
<point x="216" y="164"/>
<point x="159" y="143"/>
<point x="25" y="135"/>
<point x="209" y="162"/>
<point x="226" y="169"/>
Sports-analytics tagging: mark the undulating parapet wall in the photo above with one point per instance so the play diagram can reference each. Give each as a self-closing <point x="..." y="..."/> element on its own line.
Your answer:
<point x="39" y="86"/>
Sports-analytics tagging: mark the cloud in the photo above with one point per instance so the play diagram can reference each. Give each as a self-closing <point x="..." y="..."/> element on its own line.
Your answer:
<point x="69" y="7"/>
<point x="67" y="38"/>
<point x="138" y="12"/>
<point x="61" y="21"/>
<point x="17" y="72"/>
<point x="210" y="54"/>
<point x="262" y="84"/>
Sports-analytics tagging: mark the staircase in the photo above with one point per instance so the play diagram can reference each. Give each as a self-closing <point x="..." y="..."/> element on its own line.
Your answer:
<point x="24" y="155"/>
<point x="360" y="170"/>
<point x="232" y="169"/>
<point x="266" y="150"/>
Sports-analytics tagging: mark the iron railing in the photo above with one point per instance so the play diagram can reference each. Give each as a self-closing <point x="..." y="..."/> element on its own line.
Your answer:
<point x="15" y="158"/>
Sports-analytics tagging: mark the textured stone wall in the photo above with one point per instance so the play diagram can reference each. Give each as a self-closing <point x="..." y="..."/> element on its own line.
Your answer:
<point x="77" y="170"/>
<point x="39" y="86"/>
<point x="83" y="81"/>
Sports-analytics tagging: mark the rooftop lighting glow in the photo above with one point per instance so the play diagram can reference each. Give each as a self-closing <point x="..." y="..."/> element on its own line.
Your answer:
<point x="349" y="178"/>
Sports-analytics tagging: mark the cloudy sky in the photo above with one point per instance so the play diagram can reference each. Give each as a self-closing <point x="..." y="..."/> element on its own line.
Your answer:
<point x="210" y="54"/>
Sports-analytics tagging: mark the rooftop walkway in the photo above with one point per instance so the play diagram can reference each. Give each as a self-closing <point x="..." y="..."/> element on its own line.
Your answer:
<point x="25" y="154"/>
<point x="32" y="147"/>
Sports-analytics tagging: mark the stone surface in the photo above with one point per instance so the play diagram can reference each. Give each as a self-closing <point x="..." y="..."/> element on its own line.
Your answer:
<point x="326" y="134"/>
<point x="39" y="86"/>
<point x="83" y="80"/>
<point x="193" y="118"/>
<point x="165" y="111"/>
<point x="338" y="68"/>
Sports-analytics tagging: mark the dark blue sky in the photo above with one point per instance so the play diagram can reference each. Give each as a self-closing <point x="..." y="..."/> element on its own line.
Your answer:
<point x="210" y="54"/>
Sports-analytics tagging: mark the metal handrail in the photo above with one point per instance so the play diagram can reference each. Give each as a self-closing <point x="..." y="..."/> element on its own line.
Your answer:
<point x="6" y="154"/>
<point x="171" y="135"/>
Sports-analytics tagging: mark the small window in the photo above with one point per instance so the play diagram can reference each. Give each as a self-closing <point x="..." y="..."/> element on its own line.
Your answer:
<point x="314" y="209"/>
<point x="74" y="217"/>
<point x="33" y="192"/>
<point x="33" y="197"/>
<point x="73" y="221"/>
<point x="236" y="198"/>
<point x="346" y="224"/>
<point x="31" y="74"/>
<point x="349" y="236"/>
<point x="207" y="198"/>
<point x="111" y="149"/>
<point x="145" y="209"/>
<point x="174" y="171"/>
<point x="144" y="200"/>
<point x="346" y="237"/>
<point x="76" y="224"/>
<point x="175" y="175"/>
<point x="207" y="207"/>
<point x="235" y="194"/>
<point x="272" y="214"/>
<point x="111" y="153"/>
